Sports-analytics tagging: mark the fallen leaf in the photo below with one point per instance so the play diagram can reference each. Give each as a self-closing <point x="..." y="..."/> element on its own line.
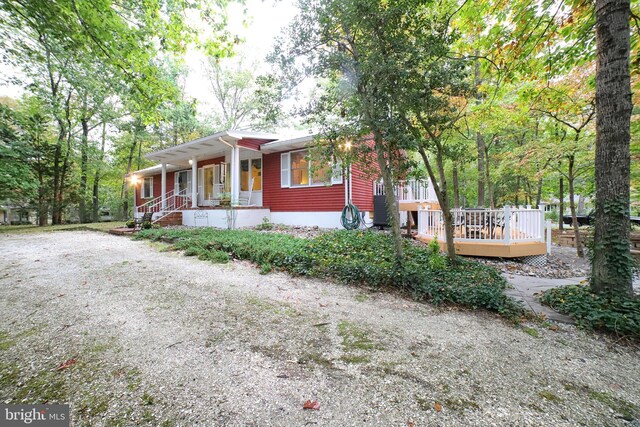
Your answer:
<point x="323" y="305"/>
<point x="437" y="407"/>
<point x="311" y="404"/>
<point x="66" y="364"/>
<point x="410" y="423"/>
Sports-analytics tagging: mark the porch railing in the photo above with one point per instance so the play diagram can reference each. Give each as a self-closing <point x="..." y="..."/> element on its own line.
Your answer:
<point x="506" y="225"/>
<point x="413" y="190"/>
<point x="172" y="201"/>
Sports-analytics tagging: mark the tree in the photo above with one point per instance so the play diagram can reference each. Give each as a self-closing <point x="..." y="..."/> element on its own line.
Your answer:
<point x="612" y="263"/>
<point x="349" y="46"/>
<point x="243" y="99"/>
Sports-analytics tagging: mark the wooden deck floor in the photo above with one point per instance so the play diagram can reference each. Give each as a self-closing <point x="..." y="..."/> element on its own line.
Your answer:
<point x="495" y="249"/>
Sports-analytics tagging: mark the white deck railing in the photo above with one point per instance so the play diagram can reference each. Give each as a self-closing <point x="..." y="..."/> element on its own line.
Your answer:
<point x="406" y="191"/>
<point x="506" y="225"/>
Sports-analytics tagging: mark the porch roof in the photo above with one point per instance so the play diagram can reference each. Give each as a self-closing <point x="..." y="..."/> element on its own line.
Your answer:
<point x="206" y="147"/>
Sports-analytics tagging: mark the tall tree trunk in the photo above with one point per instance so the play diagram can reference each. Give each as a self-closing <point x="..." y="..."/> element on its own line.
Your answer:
<point x="487" y="169"/>
<point x="95" y="206"/>
<point x="43" y="217"/>
<point x="612" y="263"/>
<point x="480" y="148"/>
<point x="440" y="188"/>
<point x="539" y="193"/>
<point x="561" y="207"/>
<point x="456" y="186"/>
<point x="84" y="160"/>
<point x="516" y="199"/>
<point x="125" y="184"/>
<point x="572" y="206"/>
<point x="389" y="194"/>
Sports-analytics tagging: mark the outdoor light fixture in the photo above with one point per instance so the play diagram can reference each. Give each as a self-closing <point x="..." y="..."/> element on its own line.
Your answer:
<point x="347" y="145"/>
<point x="134" y="180"/>
<point x="190" y="162"/>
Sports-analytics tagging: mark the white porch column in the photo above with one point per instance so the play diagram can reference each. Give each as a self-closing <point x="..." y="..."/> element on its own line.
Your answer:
<point x="235" y="175"/>
<point x="163" y="187"/>
<point x="194" y="182"/>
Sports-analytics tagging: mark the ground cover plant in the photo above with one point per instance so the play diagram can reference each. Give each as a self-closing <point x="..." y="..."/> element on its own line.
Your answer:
<point x="607" y="312"/>
<point x="357" y="257"/>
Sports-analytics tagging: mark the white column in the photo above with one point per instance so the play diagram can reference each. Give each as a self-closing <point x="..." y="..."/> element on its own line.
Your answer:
<point x="235" y="175"/>
<point x="194" y="182"/>
<point x="163" y="187"/>
<point x="135" y="204"/>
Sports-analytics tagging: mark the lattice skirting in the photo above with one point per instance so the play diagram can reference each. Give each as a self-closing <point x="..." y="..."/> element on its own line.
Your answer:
<point x="536" y="260"/>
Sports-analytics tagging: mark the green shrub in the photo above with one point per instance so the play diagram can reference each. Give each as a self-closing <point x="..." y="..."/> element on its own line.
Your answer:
<point x="131" y="223"/>
<point x="354" y="257"/>
<point x="146" y="225"/>
<point x="608" y="312"/>
<point x="266" y="224"/>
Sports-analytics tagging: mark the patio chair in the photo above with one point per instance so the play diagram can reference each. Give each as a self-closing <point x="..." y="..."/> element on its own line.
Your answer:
<point x="148" y="216"/>
<point x="474" y="223"/>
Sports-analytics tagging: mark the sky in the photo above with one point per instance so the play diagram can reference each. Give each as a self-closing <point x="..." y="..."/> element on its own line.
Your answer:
<point x="266" y="18"/>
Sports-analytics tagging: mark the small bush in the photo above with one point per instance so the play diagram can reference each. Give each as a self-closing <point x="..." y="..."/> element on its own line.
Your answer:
<point x="607" y="312"/>
<point x="146" y="225"/>
<point x="130" y="224"/>
<point x="266" y="224"/>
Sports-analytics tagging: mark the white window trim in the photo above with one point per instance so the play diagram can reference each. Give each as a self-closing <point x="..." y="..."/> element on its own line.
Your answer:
<point x="175" y="180"/>
<point x="143" y="194"/>
<point x="320" y="184"/>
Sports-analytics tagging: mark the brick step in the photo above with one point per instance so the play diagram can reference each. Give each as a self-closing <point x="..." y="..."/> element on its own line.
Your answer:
<point x="174" y="218"/>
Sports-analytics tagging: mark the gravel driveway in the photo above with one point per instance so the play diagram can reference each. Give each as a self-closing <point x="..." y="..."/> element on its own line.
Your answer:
<point x="162" y="339"/>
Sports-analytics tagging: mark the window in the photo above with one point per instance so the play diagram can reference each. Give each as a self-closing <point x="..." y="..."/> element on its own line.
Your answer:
<point x="301" y="172"/>
<point x="246" y="174"/>
<point x="147" y="188"/>
<point x="183" y="182"/>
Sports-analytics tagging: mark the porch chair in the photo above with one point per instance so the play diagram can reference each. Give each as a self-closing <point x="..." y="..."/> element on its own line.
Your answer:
<point x="474" y="223"/>
<point x="148" y="216"/>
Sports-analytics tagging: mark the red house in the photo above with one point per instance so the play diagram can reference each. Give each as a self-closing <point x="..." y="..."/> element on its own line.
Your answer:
<point x="259" y="175"/>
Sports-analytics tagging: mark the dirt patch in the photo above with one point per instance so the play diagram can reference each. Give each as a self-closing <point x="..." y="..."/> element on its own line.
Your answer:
<point x="162" y="339"/>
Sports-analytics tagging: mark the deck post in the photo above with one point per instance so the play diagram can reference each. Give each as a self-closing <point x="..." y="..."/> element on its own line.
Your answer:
<point x="507" y="224"/>
<point x="163" y="187"/>
<point x="548" y="237"/>
<point x="194" y="182"/>
<point x="542" y="221"/>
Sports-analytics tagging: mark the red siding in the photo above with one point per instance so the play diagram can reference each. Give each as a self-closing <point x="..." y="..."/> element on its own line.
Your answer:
<point x="361" y="189"/>
<point x="157" y="186"/>
<point x="298" y="199"/>
<point x="252" y="143"/>
<point x="215" y="161"/>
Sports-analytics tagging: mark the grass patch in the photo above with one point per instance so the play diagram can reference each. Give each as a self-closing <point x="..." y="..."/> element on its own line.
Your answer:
<point x="355" y="257"/>
<point x="531" y="331"/>
<point x="353" y="359"/>
<point x="30" y="229"/>
<point x="460" y="404"/>
<point x="547" y="395"/>
<point x="355" y="338"/>
<point x="362" y="297"/>
<point x="627" y="410"/>
<point x="607" y="312"/>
